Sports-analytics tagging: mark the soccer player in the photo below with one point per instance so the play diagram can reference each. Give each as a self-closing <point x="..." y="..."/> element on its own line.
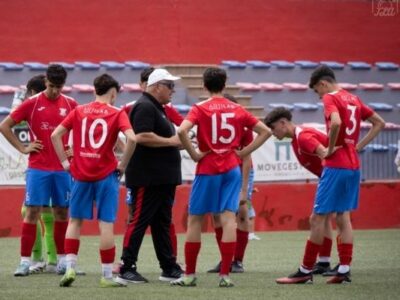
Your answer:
<point x="95" y="127"/>
<point x="220" y="127"/>
<point x="309" y="146"/>
<point x="45" y="177"/>
<point x="338" y="188"/>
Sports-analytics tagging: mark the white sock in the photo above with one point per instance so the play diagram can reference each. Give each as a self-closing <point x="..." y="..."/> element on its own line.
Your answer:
<point x="304" y="270"/>
<point x="25" y="259"/>
<point x="324" y="259"/>
<point x="344" y="269"/>
<point x="71" y="260"/>
<point x="61" y="258"/>
<point x="106" y="270"/>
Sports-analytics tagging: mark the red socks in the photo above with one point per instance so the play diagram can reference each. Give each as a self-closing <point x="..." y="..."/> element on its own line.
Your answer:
<point x="107" y="256"/>
<point x="218" y="236"/>
<point x="71" y="246"/>
<point x="227" y="251"/>
<point x="310" y="255"/>
<point x="192" y="250"/>
<point x="241" y="244"/>
<point x="326" y="248"/>
<point x="60" y="228"/>
<point x="174" y="240"/>
<point x="28" y="237"/>
<point x="345" y="253"/>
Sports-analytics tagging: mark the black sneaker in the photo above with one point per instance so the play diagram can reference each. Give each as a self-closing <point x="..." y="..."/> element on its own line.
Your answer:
<point x="321" y="267"/>
<point x="131" y="275"/>
<point x="298" y="277"/>
<point x="170" y="275"/>
<point x="237" y="267"/>
<point x="331" y="272"/>
<point x="216" y="269"/>
<point x="340" y="278"/>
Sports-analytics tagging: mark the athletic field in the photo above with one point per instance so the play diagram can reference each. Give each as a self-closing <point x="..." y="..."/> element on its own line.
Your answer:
<point x="375" y="272"/>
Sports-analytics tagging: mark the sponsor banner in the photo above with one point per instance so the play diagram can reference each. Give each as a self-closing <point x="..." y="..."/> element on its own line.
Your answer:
<point x="12" y="164"/>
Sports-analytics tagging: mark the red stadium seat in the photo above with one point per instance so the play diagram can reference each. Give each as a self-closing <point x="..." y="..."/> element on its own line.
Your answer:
<point x="293" y="86"/>
<point x="248" y="86"/>
<point x="371" y="86"/>
<point x="7" y="89"/>
<point x="269" y="86"/>
<point x="83" y="88"/>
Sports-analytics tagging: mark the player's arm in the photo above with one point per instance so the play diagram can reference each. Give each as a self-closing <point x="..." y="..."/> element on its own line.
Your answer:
<point x="377" y="125"/>
<point x="129" y="148"/>
<point x="246" y="167"/>
<point x="183" y="133"/>
<point x="56" y="139"/>
<point x="150" y="139"/>
<point x="335" y="123"/>
<point x="263" y="133"/>
<point x="6" y="129"/>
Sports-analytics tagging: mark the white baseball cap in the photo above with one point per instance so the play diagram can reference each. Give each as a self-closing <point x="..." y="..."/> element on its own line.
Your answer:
<point x="160" y="74"/>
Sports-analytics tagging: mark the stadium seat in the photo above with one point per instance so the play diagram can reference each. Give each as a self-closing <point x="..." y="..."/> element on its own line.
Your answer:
<point x="248" y="86"/>
<point x="393" y="147"/>
<point x="7" y="89"/>
<point x="35" y="66"/>
<point x="269" y="86"/>
<point x="306" y="64"/>
<point x="4" y="110"/>
<point x="112" y="65"/>
<point x="137" y="65"/>
<point x="83" y="88"/>
<point x="333" y="64"/>
<point x="359" y="65"/>
<point x="348" y="86"/>
<point x="234" y="64"/>
<point x="380" y="106"/>
<point x="304" y="106"/>
<point x="66" y="89"/>
<point x="293" y="86"/>
<point x="283" y="64"/>
<point x="67" y="66"/>
<point x="377" y="147"/>
<point x="258" y="64"/>
<point x="10" y="66"/>
<point x="394" y="85"/>
<point x="87" y="65"/>
<point x="131" y="87"/>
<point x="387" y="66"/>
<point x="182" y="108"/>
<point x="371" y="86"/>
<point x="285" y="105"/>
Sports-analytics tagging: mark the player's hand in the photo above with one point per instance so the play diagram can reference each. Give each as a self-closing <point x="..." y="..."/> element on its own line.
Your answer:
<point x="240" y="153"/>
<point x="242" y="197"/>
<point x="120" y="170"/>
<point x="34" y="146"/>
<point x="326" y="153"/>
<point x="69" y="152"/>
<point x="199" y="155"/>
<point x="176" y="142"/>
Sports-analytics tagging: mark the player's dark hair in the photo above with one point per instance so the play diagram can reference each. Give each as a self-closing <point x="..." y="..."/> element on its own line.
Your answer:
<point x="277" y="114"/>
<point x="323" y="72"/>
<point x="214" y="79"/>
<point x="56" y="74"/>
<point x="230" y="97"/>
<point x="144" y="75"/>
<point x="103" y="83"/>
<point x="36" y="84"/>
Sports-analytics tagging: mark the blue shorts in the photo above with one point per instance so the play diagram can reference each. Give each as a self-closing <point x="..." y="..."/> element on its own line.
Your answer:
<point x="47" y="188"/>
<point x="338" y="191"/>
<point x="215" y="193"/>
<point x="104" y="192"/>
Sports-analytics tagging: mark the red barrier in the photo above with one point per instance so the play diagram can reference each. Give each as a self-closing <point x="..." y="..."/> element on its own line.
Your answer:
<point x="284" y="206"/>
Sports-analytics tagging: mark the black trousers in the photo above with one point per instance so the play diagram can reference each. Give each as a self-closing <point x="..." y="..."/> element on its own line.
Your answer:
<point x="150" y="206"/>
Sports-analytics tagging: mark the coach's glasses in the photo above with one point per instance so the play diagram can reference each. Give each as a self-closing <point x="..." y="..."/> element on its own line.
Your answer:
<point x="169" y="85"/>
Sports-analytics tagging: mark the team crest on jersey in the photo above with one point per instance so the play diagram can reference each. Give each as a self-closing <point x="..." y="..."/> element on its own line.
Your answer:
<point x="63" y="112"/>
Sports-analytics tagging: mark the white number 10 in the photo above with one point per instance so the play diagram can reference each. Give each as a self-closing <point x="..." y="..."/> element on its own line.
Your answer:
<point x="224" y="125"/>
<point x="92" y="142"/>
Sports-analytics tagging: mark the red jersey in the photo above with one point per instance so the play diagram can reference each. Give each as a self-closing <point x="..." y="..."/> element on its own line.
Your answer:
<point x="95" y="131"/>
<point x="172" y="114"/>
<point x="43" y="115"/>
<point x="351" y="111"/>
<point x="304" y="143"/>
<point x="220" y="129"/>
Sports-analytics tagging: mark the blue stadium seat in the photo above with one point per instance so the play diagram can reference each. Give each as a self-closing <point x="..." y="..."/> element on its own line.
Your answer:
<point x="306" y="64"/>
<point x="234" y="64"/>
<point x="393" y="147"/>
<point x="87" y="65"/>
<point x="380" y="106"/>
<point x="283" y="64"/>
<point x="112" y="65"/>
<point x="359" y="65"/>
<point x="304" y="106"/>
<point x="333" y="64"/>
<point x="182" y="108"/>
<point x="137" y="65"/>
<point x="35" y="66"/>
<point x="285" y="105"/>
<point x="4" y="110"/>
<point x="387" y="66"/>
<point x="377" y="147"/>
<point x="67" y="66"/>
<point x="258" y="64"/>
<point x="10" y="66"/>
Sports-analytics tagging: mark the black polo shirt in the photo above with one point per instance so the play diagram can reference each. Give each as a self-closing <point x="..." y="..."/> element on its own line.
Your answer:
<point x="149" y="165"/>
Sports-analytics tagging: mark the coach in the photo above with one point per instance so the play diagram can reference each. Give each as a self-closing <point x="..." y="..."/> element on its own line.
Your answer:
<point x="152" y="175"/>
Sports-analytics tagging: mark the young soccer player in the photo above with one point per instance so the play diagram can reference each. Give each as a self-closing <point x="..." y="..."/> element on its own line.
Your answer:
<point x="96" y="171"/>
<point x="220" y="127"/>
<point x="338" y="188"/>
<point x="45" y="177"/>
